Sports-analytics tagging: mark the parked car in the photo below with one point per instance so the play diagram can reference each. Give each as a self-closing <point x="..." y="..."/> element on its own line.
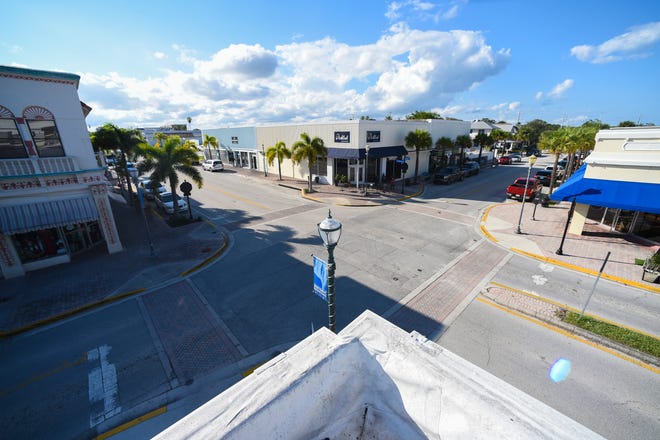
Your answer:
<point x="165" y="201"/>
<point x="517" y="189"/>
<point x="147" y="186"/>
<point x="213" y="165"/>
<point x="448" y="175"/>
<point x="543" y="176"/>
<point x="515" y="157"/>
<point x="504" y="160"/>
<point x="470" y="169"/>
<point x="559" y="173"/>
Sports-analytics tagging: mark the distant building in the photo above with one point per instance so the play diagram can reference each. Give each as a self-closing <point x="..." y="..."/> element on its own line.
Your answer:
<point x="483" y="127"/>
<point x="53" y="193"/>
<point x="194" y="135"/>
<point x="347" y="148"/>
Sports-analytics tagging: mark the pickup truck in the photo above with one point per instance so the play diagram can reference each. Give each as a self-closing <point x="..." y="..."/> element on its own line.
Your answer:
<point x="517" y="189"/>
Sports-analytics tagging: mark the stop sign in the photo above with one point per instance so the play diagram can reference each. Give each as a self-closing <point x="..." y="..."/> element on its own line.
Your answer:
<point x="185" y="188"/>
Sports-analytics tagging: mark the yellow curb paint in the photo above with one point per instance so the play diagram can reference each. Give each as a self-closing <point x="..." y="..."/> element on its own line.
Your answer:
<point x="487" y="234"/>
<point x="588" y="271"/>
<point x="209" y="259"/>
<point x="68" y="313"/>
<point x="570" y="335"/>
<point x="572" y="309"/>
<point x="130" y="424"/>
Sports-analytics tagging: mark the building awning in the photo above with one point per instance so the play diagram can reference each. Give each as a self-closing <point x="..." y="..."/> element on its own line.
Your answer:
<point x="35" y="216"/>
<point x="360" y="153"/>
<point x="633" y="196"/>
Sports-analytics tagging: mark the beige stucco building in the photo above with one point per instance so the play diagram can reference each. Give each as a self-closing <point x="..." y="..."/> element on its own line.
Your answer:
<point x="619" y="185"/>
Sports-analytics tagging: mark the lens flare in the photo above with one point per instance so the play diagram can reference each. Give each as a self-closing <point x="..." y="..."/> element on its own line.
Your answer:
<point x="560" y="370"/>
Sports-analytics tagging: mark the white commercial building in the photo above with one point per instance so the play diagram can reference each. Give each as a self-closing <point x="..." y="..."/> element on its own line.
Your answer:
<point x="53" y="194"/>
<point x="346" y="141"/>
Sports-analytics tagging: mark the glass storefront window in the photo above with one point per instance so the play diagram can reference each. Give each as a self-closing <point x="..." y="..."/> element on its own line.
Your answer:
<point x="11" y="143"/>
<point x="37" y="245"/>
<point x="46" y="138"/>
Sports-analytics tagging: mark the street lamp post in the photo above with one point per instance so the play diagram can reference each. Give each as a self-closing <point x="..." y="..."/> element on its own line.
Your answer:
<point x="330" y="231"/>
<point x="532" y="161"/>
<point x="366" y="167"/>
<point x="263" y="153"/>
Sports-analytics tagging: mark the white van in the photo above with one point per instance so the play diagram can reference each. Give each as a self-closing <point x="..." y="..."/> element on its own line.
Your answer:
<point x="213" y="165"/>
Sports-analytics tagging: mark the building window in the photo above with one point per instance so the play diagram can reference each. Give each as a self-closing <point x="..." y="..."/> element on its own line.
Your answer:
<point x="44" y="132"/>
<point x="321" y="166"/>
<point x="11" y="144"/>
<point x="37" y="245"/>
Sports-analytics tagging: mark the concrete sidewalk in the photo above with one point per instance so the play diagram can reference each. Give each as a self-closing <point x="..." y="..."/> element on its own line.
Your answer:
<point x="94" y="277"/>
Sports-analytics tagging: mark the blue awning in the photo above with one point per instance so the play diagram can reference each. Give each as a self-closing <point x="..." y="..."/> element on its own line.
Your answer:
<point x="15" y="219"/>
<point x="633" y="196"/>
<point x="360" y="153"/>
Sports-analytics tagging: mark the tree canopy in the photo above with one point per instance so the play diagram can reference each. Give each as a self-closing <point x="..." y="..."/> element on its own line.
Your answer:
<point x="418" y="140"/>
<point x="419" y="114"/>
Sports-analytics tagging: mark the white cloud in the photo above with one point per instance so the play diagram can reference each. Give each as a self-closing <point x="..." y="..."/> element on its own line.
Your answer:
<point x="423" y="10"/>
<point x="557" y="91"/>
<point x="633" y="44"/>
<point x="324" y="79"/>
<point x="159" y="55"/>
<point x="561" y="88"/>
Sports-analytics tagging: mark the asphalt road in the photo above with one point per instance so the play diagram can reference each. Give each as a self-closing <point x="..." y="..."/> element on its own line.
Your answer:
<point x="260" y="293"/>
<point x="611" y="396"/>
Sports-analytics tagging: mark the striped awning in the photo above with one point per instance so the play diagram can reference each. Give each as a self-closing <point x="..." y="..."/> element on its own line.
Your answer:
<point x="35" y="216"/>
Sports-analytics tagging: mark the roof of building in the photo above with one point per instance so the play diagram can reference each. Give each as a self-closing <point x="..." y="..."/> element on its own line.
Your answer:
<point x="44" y="75"/>
<point x="373" y="380"/>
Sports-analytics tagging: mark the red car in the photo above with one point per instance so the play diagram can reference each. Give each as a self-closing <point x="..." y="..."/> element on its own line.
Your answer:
<point x="504" y="160"/>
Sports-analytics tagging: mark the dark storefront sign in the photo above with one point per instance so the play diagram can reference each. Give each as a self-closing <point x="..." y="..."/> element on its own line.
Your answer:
<point x="342" y="137"/>
<point x="373" y="136"/>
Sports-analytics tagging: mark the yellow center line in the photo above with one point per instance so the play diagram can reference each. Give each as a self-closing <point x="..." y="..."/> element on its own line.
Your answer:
<point x="237" y="197"/>
<point x="570" y="335"/>
<point x="63" y="366"/>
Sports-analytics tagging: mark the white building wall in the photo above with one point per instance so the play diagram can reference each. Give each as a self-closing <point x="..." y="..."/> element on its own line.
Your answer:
<point x="448" y="128"/>
<point x="626" y="154"/>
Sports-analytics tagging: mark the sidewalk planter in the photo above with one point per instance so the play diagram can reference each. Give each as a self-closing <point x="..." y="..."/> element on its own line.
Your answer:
<point x="651" y="268"/>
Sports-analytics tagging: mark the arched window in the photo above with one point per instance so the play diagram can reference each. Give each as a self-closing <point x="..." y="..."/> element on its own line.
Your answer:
<point x="11" y="144"/>
<point x="44" y="131"/>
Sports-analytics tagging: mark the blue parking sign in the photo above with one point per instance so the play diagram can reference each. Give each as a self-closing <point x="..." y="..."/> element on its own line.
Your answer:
<point x="321" y="278"/>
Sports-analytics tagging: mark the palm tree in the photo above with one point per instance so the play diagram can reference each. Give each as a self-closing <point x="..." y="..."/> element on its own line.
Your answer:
<point x="189" y="119"/>
<point x="210" y="141"/>
<point x="463" y="141"/>
<point x="419" y="140"/>
<point x="111" y="137"/>
<point x="443" y="144"/>
<point x="160" y="138"/>
<point x="309" y="149"/>
<point x="551" y="141"/>
<point x="483" y="140"/>
<point x="279" y="151"/>
<point x="169" y="160"/>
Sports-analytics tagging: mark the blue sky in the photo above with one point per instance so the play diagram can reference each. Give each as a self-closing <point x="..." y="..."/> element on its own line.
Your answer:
<point x="236" y="63"/>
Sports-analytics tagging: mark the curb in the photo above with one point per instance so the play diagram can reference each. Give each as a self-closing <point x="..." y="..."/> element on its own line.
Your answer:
<point x="652" y="363"/>
<point x="109" y="300"/>
<point x="549" y="260"/>
<point x="360" y="205"/>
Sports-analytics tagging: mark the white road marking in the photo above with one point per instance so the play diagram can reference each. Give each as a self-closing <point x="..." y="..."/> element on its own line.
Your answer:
<point x="539" y="280"/>
<point x="545" y="267"/>
<point x="103" y="388"/>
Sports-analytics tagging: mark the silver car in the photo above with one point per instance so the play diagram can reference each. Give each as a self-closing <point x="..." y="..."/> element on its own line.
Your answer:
<point x="213" y="165"/>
